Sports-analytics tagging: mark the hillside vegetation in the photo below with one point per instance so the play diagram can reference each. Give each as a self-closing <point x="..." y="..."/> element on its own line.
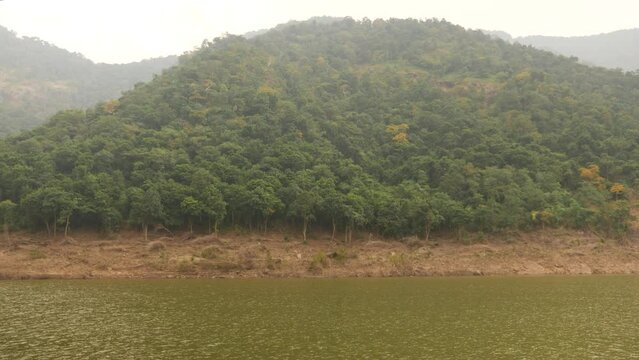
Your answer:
<point x="396" y="128"/>
<point x="38" y="79"/>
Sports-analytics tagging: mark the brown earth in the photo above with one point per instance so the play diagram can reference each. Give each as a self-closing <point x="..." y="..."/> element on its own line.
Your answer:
<point x="127" y="255"/>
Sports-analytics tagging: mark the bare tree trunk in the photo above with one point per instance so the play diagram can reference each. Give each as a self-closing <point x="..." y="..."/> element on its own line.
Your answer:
<point x="145" y="228"/>
<point x="304" y="229"/>
<point x="333" y="234"/>
<point x="427" y="230"/>
<point x="215" y="227"/>
<point x="190" y="226"/>
<point x="349" y="234"/>
<point x="209" y="223"/>
<point x="55" y="226"/>
<point x="265" y="225"/>
<point x="48" y="228"/>
<point x="346" y="234"/>
<point x="66" y="226"/>
<point x="6" y="231"/>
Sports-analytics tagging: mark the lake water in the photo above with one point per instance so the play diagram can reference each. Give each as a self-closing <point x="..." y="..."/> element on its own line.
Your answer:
<point x="594" y="317"/>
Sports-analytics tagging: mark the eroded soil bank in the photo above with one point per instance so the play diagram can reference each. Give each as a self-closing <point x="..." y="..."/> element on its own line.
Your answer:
<point x="28" y="256"/>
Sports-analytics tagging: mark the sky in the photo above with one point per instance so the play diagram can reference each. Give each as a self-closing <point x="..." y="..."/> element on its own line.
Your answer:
<point x="119" y="31"/>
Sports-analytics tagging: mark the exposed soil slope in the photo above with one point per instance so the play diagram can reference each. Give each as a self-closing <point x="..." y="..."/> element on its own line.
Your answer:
<point x="274" y="255"/>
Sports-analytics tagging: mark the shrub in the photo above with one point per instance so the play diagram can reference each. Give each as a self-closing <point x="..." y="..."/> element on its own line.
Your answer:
<point x="246" y="258"/>
<point x="401" y="263"/>
<point x="161" y="263"/>
<point x="340" y="255"/>
<point x="155" y="246"/>
<point x="272" y="263"/>
<point x="210" y="252"/>
<point x="319" y="262"/>
<point x="185" y="266"/>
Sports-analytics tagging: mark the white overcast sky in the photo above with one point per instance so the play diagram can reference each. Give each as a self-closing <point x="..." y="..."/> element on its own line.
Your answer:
<point x="117" y="31"/>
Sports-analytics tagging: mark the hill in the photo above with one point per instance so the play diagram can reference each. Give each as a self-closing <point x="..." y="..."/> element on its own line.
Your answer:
<point x="396" y="128"/>
<point x="615" y="50"/>
<point x="38" y="79"/>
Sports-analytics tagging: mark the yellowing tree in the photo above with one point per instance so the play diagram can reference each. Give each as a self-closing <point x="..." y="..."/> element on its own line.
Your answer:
<point x="265" y="89"/>
<point x="591" y="173"/>
<point x="400" y="137"/>
<point x="395" y="128"/>
<point x="398" y="131"/>
<point x="523" y="75"/>
<point x="617" y="189"/>
<point x="109" y="107"/>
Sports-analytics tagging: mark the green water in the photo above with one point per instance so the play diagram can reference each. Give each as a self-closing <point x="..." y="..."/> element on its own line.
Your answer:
<point x="413" y="318"/>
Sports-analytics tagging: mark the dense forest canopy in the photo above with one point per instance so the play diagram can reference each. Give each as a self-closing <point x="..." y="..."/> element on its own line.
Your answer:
<point x="38" y="79"/>
<point x="398" y="127"/>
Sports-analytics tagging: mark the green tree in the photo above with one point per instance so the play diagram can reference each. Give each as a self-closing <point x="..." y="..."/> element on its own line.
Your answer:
<point x="306" y="199"/>
<point x="331" y="202"/>
<point x="192" y="208"/>
<point x="214" y="206"/>
<point x="146" y="208"/>
<point x="7" y="213"/>
<point x="51" y="205"/>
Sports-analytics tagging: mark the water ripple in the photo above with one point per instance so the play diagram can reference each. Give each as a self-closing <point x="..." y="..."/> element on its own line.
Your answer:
<point x="449" y="318"/>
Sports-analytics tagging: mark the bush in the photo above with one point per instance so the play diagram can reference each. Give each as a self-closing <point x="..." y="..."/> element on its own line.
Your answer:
<point x="210" y="252"/>
<point x="185" y="266"/>
<point x="401" y="263"/>
<point x="340" y="255"/>
<point x="161" y="263"/>
<point x="246" y="258"/>
<point x="319" y="262"/>
<point x="155" y="246"/>
<point x="272" y="263"/>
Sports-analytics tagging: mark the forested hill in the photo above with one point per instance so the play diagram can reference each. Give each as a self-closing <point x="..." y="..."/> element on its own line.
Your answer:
<point x="398" y="127"/>
<point x="615" y="50"/>
<point x="38" y="79"/>
<point x="619" y="49"/>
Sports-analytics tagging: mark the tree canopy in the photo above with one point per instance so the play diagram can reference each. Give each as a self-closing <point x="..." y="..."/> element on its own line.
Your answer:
<point x="398" y="127"/>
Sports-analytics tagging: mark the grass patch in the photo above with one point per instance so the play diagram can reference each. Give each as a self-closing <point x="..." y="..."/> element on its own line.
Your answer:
<point x="246" y="258"/>
<point x="220" y="265"/>
<point x="271" y="263"/>
<point x="36" y="254"/>
<point x="161" y="263"/>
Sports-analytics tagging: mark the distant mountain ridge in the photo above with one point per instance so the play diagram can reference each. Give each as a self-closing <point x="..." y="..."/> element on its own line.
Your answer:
<point x="618" y="49"/>
<point x="37" y="79"/>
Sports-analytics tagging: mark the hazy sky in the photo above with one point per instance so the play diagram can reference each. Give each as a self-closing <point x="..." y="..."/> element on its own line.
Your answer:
<point x="130" y="30"/>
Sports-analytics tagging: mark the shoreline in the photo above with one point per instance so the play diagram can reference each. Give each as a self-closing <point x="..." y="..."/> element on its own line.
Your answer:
<point x="89" y="256"/>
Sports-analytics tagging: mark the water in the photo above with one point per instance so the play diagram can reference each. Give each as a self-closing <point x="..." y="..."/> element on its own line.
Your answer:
<point x="413" y="318"/>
